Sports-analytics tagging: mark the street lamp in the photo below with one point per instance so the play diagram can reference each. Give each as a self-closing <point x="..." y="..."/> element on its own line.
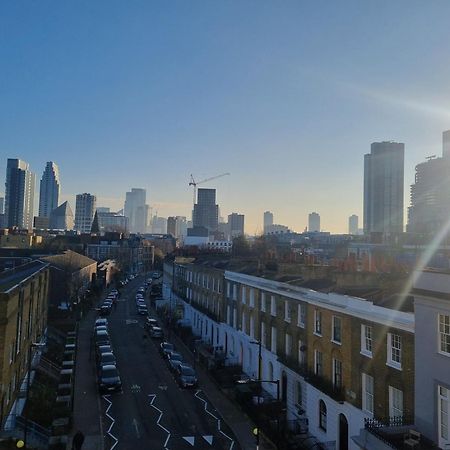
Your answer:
<point x="258" y="343"/>
<point x="32" y="345"/>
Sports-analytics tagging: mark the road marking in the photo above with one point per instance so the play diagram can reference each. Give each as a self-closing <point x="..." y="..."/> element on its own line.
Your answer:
<point x="189" y="439"/>
<point x="130" y="321"/>
<point x="135" y="424"/>
<point x="135" y="388"/>
<point x="163" y="387"/>
<point x="153" y="396"/>
<point x="106" y="398"/>
<point x="208" y="439"/>
<point x="218" y="420"/>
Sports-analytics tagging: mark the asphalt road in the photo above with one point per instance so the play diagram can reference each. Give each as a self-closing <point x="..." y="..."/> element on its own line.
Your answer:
<point x="153" y="412"/>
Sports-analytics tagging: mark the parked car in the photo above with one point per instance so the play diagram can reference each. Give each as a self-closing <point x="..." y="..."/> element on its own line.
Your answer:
<point x="174" y="359"/>
<point x="109" y="379"/>
<point x="101" y="338"/>
<point x="100" y="328"/>
<point x="105" y="310"/>
<point x="156" y="333"/>
<point x="186" y="376"/>
<point x="165" y="348"/>
<point x="106" y="358"/>
<point x="101" y="349"/>
<point x="142" y="310"/>
<point x="101" y="321"/>
<point x="150" y="323"/>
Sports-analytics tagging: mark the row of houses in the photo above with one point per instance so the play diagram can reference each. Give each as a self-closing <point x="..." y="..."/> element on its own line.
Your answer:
<point x="340" y="362"/>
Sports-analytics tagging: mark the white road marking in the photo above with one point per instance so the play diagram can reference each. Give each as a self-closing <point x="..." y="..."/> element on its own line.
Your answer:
<point x="116" y="441"/>
<point x="135" y="424"/>
<point x="153" y="396"/>
<point x="218" y="420"/>
<point x="208" y="439"/>
<point x="189" y="439"/>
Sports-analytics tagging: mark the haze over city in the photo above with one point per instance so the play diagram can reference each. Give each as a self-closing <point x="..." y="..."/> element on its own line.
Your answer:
<point x="286" y="97"/>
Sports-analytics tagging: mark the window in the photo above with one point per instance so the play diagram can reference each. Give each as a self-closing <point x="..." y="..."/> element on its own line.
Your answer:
<point x="444" y="334"/>
<point x="366" y="340"/>
<point x="270" y="374"/>
<point x="301" y="353"/>
<point x="263" y="336"/>
<point x="322" y="415"/>
<point x="228" y="315"/>
<point x="244" y="295"/>
<point x="273" y="306"/>
<point x="395" y="402"/>
<point x="299" y="393"/>
<point x="443" y="415"/>
<point x="318" y="362"/>
<point x="288" y="344"/>
<point x="234" y="291"/>
<point x="234" y="318"/>
<point x="337" y="329"/>
<point x="337" y="373"/>
<point x="394" y="350"/>
<point x="273" y="343"/>
<point x="367" y="393"/>
<point x="244" y="320"/>
<point x="301" y="319"/>
<point x="287" y="311"/>
<point x="263" y="302"/>
<point x="252" y="326"/>
<point x="318" y="322"/>
<point x="252" y="298"/>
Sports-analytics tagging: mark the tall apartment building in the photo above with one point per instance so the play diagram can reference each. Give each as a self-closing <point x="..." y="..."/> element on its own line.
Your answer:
<point x="353" y="223"/>
<point x="338" y="360"/>
<point x="2" y="205"/>
<point x="206" y="211"/>
<point x="177" y="226"/>
<point x="84" y="212"/>
<point x="383" y="188"/>
<point x="50" y="188"/>
<point x="268" y="220"/>
<point x="236" y="224"/>
<point x="19" y="194"/>
<point x="23" y="320"/>
<point x="112" y="221"/>
<point x="313" y="222"/>
<point x="430" y="194"/>
<point x="136" y="210"/>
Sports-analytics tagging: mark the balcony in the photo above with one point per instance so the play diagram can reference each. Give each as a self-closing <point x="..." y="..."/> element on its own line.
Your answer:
<point x="203" y="309"/>
<point x="319" y="382"/>
<point x="393" y="433"/>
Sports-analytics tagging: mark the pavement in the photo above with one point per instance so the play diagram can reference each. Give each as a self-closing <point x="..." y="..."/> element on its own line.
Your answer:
<point x="152" y="411"/>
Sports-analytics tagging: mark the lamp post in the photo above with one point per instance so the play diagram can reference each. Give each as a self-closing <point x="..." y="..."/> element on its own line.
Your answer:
<point x="32" y="345"/>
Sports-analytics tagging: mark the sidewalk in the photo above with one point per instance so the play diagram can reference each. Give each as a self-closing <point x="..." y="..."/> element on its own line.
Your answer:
<point x="87" y="407"/>
<point x="240" y="424"/>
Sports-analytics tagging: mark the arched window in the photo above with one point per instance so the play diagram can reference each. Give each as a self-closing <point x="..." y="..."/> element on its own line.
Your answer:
<point x="270" y="377"/>
<point x="322" y="415"/>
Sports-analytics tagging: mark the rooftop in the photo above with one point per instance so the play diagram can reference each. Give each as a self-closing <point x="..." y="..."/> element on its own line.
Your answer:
<point x="13" y="277"/>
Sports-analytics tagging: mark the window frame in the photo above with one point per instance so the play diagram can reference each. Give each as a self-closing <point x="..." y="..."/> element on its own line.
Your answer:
<point x="365" y="339"/>
<point x="317" y="322"/>
<point x="444" y="334"/>
<point x="365" y="394"/>
<point x="333" y="329"/>
<point x="392" y="407"/>
<point x="318" y="363"/>
<point x="392" y="351"/>
<point x="322" y="415"/>
<point x="301" y="315"/>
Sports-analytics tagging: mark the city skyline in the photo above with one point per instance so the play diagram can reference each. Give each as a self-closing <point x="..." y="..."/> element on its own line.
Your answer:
<point x="133" y="83"/>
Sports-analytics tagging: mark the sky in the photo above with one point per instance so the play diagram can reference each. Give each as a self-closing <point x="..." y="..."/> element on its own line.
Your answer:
<point x="285" y="96"/>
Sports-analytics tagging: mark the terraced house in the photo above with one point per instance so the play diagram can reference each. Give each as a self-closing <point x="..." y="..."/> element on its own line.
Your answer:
<point x="23" y="320"/>
<point x="339" y="360"/>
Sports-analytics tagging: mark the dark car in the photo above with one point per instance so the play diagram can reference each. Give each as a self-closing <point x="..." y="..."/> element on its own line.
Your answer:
<point x="142" y="310"/>
<point x="109" y="379"/>
<point x="105" y="310"/>
<point x="101" y="321"/>
<point x="165" y="348"/>
<point x="150" y="323"/>
<point x="186" y="376"/>
<point x="156" y="333"/>
<point x="101" y="349"/>
<point x="174" y="360"/>
<point x="101" y="338"/>
<point x="106" y="358"/>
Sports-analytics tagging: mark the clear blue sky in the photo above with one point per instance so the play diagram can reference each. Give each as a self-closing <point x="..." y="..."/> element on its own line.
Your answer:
<point x="287" y="96"/>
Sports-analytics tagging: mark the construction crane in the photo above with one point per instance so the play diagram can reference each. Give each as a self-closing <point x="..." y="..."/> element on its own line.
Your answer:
<point x="196" y="183"/>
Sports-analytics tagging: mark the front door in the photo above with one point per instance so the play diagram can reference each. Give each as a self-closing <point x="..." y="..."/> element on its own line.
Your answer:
<point x="343" y="432"/>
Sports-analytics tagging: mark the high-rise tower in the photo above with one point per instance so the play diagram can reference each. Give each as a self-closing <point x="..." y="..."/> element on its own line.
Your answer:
<point x="19" y="194"/>
<point x="206" y="211"/>
<point x="49" y="190"/>
<point x="383" y="188"/>
<point x="84" y="212"/>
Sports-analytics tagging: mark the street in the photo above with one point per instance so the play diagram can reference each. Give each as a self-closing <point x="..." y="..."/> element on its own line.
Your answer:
<point x="153" y="412"/>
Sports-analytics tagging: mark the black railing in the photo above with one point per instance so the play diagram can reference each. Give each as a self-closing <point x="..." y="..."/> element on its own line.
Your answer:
<point x="206" y="311"/>
<point x="383" y="422"/>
